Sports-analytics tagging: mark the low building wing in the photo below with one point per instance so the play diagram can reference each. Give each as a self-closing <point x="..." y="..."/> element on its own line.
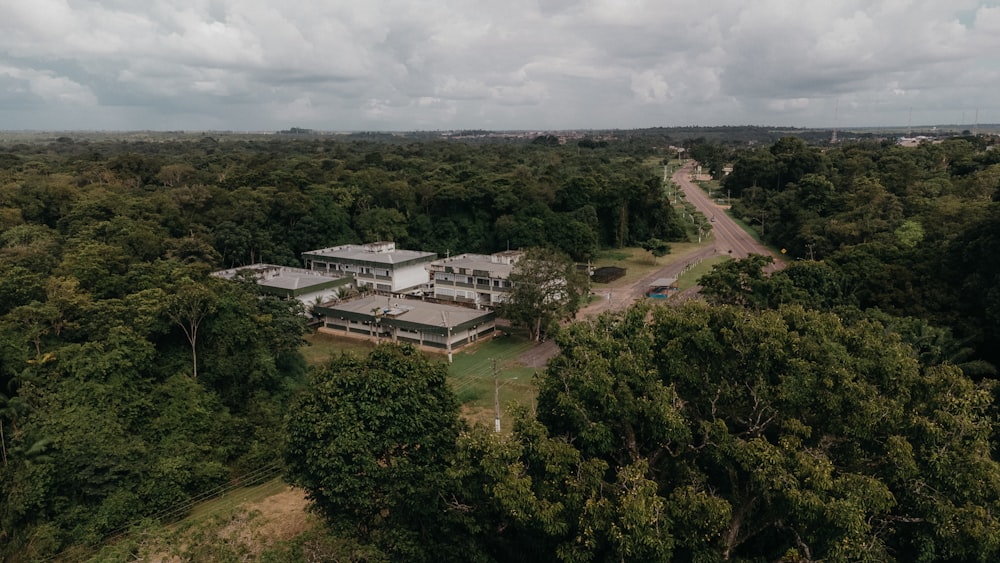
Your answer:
<point x="307" y="286"/>
<point x="428" y="325"/>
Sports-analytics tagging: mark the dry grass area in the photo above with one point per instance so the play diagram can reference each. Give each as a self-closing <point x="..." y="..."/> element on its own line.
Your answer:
<point x="225" y="529"/>
<point x="283" y="516"/>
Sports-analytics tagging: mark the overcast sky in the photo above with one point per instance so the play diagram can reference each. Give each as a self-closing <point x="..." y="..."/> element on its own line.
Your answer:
<point x="338" y="65"/>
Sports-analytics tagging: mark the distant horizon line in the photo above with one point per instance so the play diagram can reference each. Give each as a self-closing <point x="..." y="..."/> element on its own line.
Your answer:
<point x="308" y="130"/>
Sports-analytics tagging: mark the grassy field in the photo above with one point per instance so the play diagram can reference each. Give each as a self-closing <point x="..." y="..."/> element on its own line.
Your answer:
<point x="470" y="374"/>
<point x="689" y="279"/>
<point x="320" y="347"/>
<point x="231" y="500"/>
<point x="638" y="262"/>
<point x="242" y="515"/>
<point x="473" y="382"/>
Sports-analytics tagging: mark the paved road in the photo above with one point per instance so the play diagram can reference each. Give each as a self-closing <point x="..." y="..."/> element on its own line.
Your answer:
<point x="621" y="297"/>
<point x="730" y="238"/>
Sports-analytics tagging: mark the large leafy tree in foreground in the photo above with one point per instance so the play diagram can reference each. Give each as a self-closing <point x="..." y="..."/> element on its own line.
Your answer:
<point x="370" y="441"/>
<point x="713" y="432"/>
<point x="545" y="287"/>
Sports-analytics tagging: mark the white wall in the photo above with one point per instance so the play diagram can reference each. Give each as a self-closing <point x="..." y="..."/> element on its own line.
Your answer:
<point x="409" y="276"/>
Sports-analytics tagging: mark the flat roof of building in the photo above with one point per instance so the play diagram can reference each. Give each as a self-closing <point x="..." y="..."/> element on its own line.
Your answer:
<point x="412" y="311"/>
<point x="292" y="280"/>
<point x="663" y="282"/>
<point x="379" y="253"/>
<point x="483" y="262"/>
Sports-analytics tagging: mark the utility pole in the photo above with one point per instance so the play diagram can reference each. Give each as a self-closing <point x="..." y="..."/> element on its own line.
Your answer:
<point x="496" y="394"/>
<point x="447" y="330"/>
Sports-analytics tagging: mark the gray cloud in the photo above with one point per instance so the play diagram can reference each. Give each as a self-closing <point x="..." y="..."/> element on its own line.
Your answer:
<point x="522" y="64"/>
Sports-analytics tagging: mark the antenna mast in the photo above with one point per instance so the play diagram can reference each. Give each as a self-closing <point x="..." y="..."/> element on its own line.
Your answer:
<point x="836" y="112"/>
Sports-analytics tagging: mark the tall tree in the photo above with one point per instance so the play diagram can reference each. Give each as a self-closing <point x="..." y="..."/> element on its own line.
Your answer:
<point x="370" y="441"/>
<point x="656" y="247"/>
<point x="187" y="306"/>
<point x="545" y="287"/>
<point x="803" y="438"/>
<point x="739" y="282"/>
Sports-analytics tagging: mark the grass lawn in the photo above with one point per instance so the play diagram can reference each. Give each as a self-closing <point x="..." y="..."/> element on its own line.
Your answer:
<point x="470" y="374"/>
<point x="690" y="278"/>
<point x="472" y="378"/>
<point x="710" y="187"/>
<point x="234" y="498"/>
<point x="639" y="262"/>
<point x="320" y="347"/>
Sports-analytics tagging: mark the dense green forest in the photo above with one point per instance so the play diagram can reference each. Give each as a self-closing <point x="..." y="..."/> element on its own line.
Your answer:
<point x="841" y="408"/>
<point x="911" y="232"/>
<point x="695" y="433"/>
<point x="131" y="382"/>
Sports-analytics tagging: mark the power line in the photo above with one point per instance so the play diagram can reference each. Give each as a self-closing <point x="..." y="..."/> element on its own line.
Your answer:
<point x="174" y="513"/>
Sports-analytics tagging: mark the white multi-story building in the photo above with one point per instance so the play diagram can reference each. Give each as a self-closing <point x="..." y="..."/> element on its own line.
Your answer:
<point x="377" y="265"/>
<point x="482" y="279"/>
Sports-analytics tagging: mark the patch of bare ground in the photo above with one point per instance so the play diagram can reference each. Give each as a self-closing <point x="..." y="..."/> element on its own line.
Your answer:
<point x="538" y="356"/>
<point x="477" y="415"/>
<point x="283" y="516"/>
<point x="246" y="532"/>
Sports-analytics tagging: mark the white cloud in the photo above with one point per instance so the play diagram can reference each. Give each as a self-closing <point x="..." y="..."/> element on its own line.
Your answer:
<point x="45" y="86"/>
<point x="793" y="104"/>
<point x="527" y="93"/>
<point x="456" y="88"/>
<point x="650" y="87"/>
